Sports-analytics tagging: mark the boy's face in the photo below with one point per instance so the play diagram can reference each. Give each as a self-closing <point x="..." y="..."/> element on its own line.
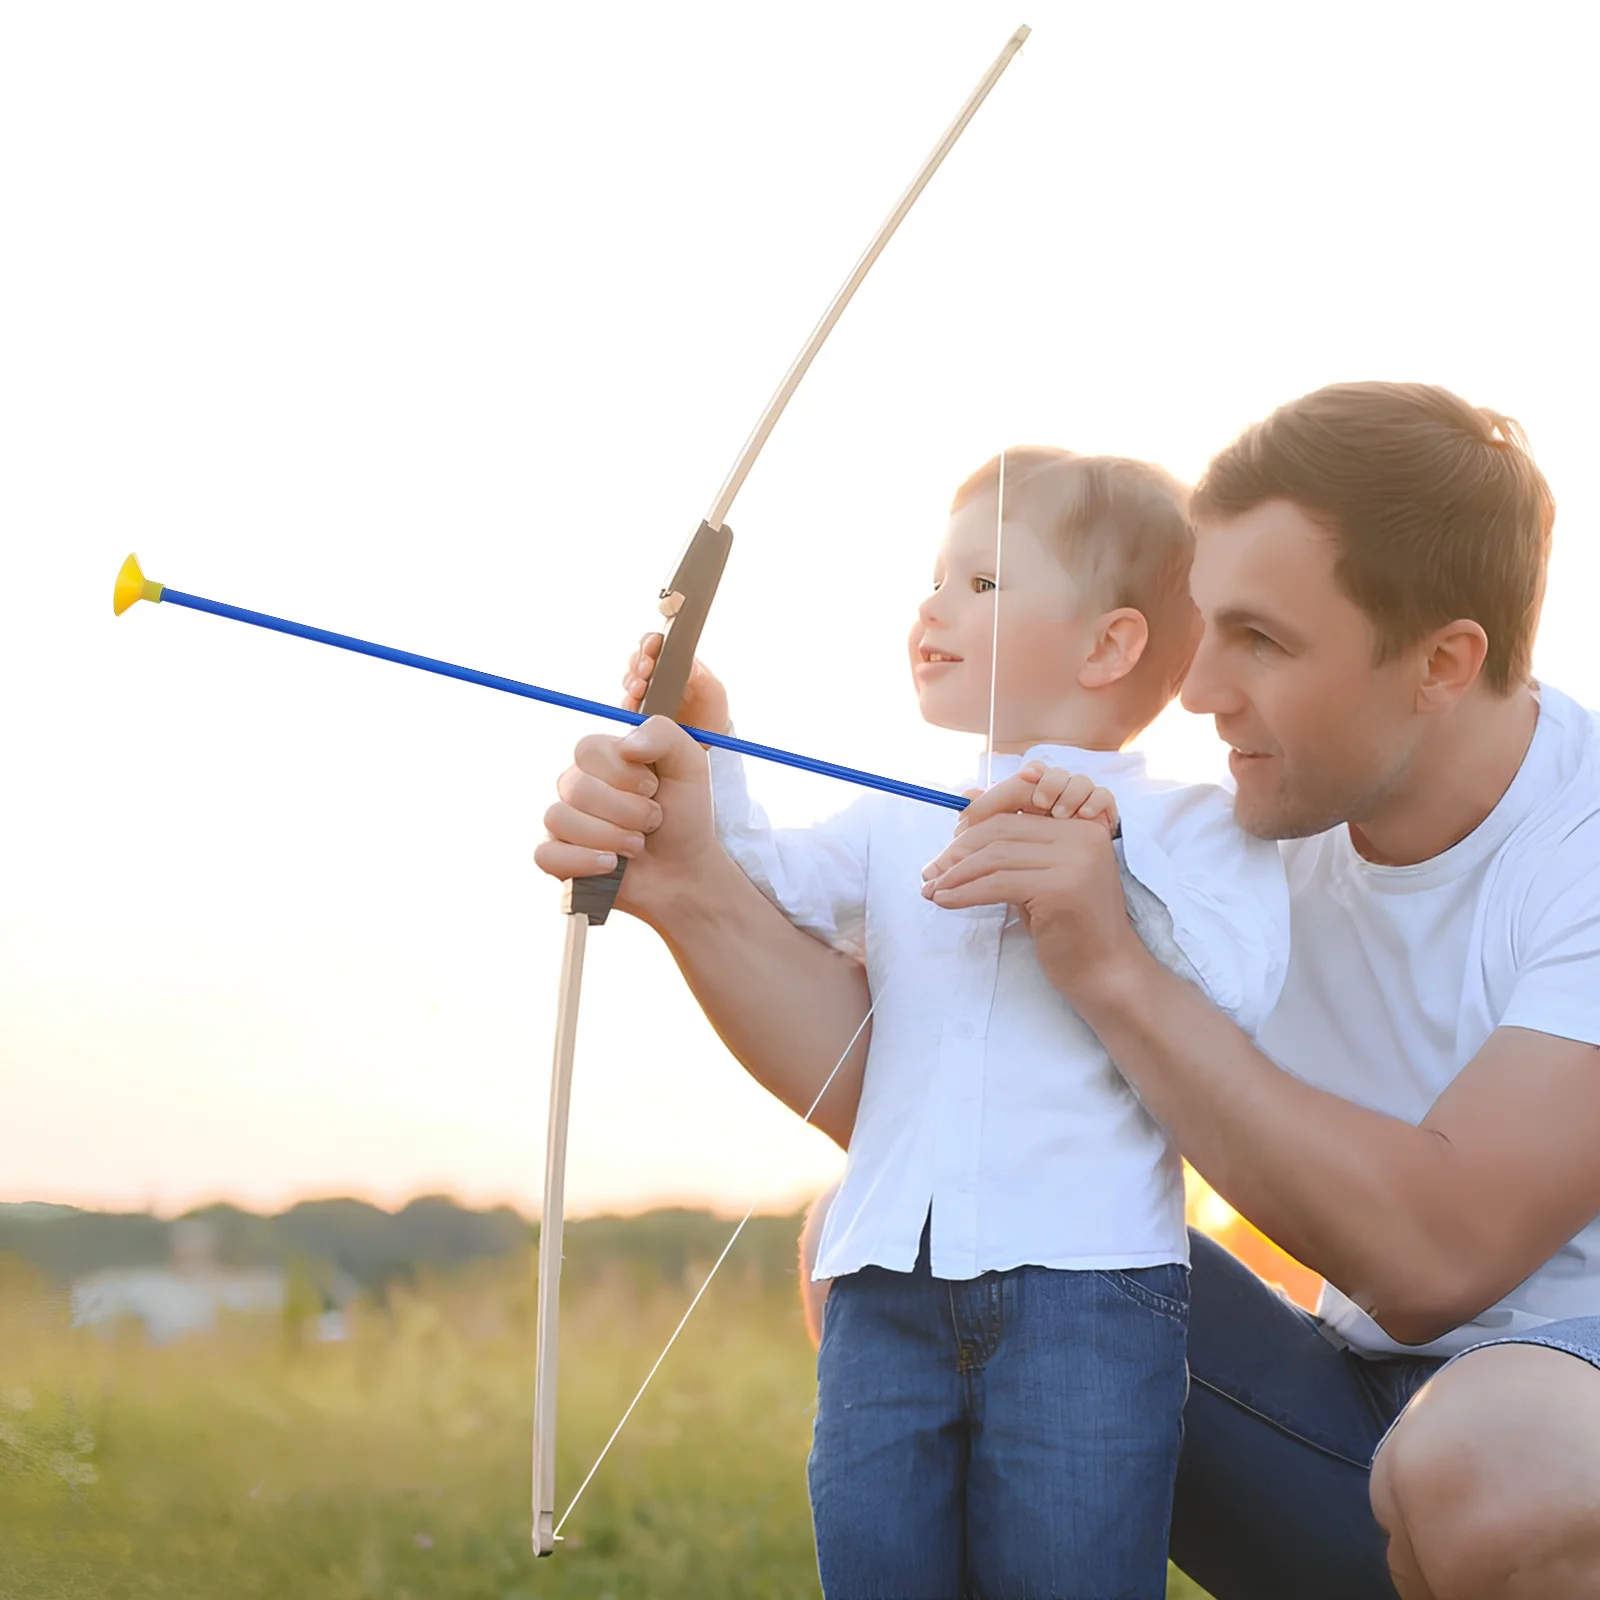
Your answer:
<point x="1042" y="639"/>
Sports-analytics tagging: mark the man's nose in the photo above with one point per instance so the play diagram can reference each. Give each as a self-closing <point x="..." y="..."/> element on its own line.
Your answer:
<point x="1206" y="691"/>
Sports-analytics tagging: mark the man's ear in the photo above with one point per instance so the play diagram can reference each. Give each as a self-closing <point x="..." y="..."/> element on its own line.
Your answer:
<point x="1452" y="659"/>
<point x="1120" y="640"/>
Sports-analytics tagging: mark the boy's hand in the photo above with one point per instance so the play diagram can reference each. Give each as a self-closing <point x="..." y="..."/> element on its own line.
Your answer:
<point x="1041" y="791"/>
<point x="704" y="703"/>
<point x="1057" y="793"/>
<point x="1059" y="871"/>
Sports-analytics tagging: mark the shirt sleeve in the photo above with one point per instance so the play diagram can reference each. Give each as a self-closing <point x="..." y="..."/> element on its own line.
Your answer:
<point x="1557" y="942"/>
<point x="1226" y="893"/>
<point x="816" y="876"/>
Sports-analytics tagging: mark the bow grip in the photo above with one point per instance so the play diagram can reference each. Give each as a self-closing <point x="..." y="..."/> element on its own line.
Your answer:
<point x="686" y="603"/>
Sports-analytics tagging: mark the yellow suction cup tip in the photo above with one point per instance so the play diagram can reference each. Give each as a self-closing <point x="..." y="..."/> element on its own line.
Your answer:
<point x="132" y="586"/>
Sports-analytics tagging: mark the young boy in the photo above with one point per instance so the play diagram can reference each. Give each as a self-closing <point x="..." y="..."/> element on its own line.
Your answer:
<point x="1002" y="1368"/>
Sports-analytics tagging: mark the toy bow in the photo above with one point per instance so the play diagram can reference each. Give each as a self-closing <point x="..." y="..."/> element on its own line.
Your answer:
<point x="685" y="603"/>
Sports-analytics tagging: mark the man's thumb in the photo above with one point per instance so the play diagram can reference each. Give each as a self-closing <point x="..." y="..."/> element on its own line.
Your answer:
<point x="662" y="744"/>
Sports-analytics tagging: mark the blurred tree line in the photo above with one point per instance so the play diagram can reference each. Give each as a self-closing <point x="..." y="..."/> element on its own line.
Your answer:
<point x="378" y="1248"/>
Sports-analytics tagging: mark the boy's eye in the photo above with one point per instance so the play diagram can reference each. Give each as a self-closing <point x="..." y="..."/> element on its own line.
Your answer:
<point x="982" y="585"/>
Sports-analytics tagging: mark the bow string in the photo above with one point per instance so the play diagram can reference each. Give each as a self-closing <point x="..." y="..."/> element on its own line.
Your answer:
<point x="685" y="602"/>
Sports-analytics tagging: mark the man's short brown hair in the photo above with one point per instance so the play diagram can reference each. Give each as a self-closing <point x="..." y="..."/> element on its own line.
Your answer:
<point x="1435" y="506"/>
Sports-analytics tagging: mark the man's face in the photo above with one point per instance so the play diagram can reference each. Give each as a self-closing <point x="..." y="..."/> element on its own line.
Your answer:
<point x="1041" y="636"/>
<point x="1320" y="734"/>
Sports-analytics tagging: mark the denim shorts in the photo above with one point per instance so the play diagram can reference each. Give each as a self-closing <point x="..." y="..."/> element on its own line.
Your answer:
<point x="1279" y="1434"/>
<point x="1012" y="1434"/>
<point x="1578" y="1336"/>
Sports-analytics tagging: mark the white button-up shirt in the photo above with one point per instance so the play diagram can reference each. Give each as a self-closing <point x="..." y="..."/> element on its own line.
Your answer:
<point x="985" y="1096"/>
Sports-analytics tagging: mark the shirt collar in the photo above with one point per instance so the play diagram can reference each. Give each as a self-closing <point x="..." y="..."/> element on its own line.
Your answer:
<point x="1104" y="766"/>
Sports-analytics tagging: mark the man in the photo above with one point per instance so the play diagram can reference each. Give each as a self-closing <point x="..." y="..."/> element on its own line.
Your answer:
<point x="1422" y="1121"/>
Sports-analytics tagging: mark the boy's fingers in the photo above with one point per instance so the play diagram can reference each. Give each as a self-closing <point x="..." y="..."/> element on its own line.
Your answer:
<point x="1074" y="792"/>
<point x="1049" y="788"/>
<point x="1100" y="803"/>
<point x="1010" y="794"/>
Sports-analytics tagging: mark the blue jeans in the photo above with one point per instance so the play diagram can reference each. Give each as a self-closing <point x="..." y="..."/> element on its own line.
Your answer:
<point x="1279" y="1435"/>
<point x="1009" y="1435"/>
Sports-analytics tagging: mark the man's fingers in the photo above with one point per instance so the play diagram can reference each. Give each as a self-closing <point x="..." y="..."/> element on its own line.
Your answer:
<point x="600" y="755"/>
<point x="992" y="889"/>
<point x="1008" y="825"/>
<point x="568" y="825"/>
<point x="662" y="744"/>
<point x="1002" y="855"/>
<point x="566" y="861"/>
<point x="595" y="797"/>
<point x="625" y="762"/>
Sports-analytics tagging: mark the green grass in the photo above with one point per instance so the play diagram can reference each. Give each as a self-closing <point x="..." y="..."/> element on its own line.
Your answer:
<point x="395" y="1465"/>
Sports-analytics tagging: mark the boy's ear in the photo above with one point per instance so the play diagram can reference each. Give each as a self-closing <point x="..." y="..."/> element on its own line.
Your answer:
<point x="1120" y="640"/>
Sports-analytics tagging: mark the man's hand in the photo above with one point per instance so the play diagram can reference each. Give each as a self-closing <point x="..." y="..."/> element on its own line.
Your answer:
<point x="645" y="797"/>
<point x="704" y="703"/>
<point x="1041" y="841"/>
<point x="784" y="1003"/>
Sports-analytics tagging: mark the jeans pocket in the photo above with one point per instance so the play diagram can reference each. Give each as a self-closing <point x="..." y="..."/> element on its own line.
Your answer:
<point x="1163" y="1290"/>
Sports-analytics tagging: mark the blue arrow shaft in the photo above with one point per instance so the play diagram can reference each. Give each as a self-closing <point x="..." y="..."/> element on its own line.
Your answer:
<point x="553" y="697"/>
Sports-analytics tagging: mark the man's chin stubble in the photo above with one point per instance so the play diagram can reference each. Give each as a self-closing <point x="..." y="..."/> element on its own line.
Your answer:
<point x="1283" y="819"/>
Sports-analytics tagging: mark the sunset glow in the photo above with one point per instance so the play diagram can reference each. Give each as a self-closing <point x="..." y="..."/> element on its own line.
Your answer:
<point x="441" y="328"/>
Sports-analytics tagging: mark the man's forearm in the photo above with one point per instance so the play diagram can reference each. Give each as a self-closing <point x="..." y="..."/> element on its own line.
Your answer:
<point x="785" y="1004"/>
<point x="1357" y="1196"/>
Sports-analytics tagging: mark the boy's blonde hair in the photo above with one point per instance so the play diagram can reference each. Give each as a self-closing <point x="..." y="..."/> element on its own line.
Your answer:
<point x="1121" y="528"/>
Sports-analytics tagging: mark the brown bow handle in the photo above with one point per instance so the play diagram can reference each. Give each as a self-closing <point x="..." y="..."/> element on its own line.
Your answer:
<point x="685" y="603"/>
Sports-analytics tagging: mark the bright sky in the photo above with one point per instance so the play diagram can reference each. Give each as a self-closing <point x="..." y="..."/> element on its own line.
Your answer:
<point x="441" y="325"/>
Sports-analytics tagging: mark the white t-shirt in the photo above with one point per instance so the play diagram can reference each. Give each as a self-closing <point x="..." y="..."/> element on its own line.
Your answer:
<point x="1398" y="975"/>
<point x="985" y="1096"/>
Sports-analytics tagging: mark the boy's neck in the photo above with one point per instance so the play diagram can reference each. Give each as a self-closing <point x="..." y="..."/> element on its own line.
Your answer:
<point x="1078" y="727"/>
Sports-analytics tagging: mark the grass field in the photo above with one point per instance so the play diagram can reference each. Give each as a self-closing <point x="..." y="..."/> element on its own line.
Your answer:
<point x="255" y="1462"/>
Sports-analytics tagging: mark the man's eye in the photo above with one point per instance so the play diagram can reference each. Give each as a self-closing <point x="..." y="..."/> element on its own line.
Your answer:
<point x="982" y="585"/>
<point x="1261" y="643"/>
